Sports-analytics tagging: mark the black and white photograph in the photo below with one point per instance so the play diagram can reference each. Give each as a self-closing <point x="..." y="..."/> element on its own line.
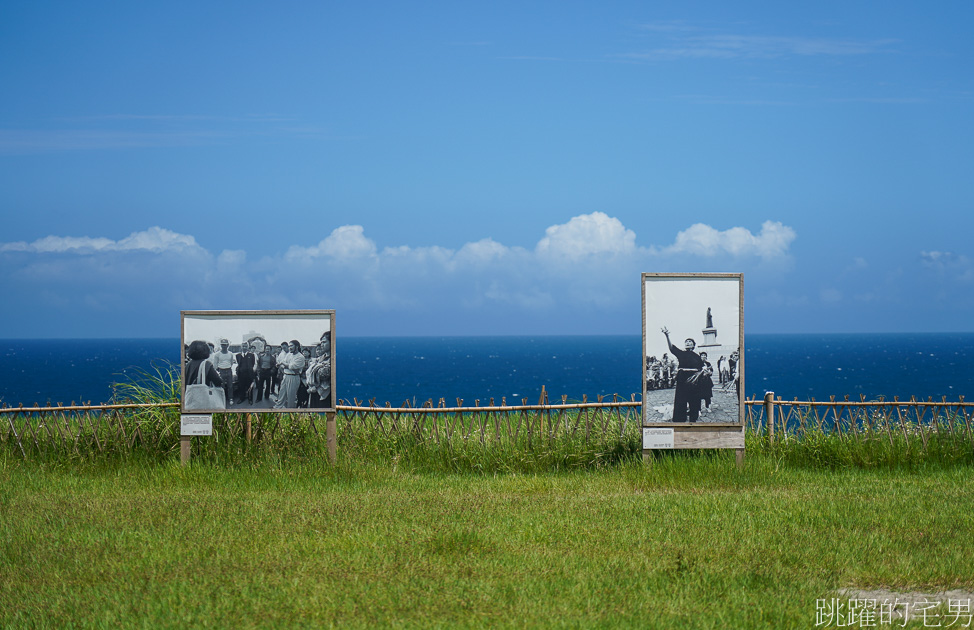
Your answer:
<point x="693" y="337"/>
<point x="261" y="361"/>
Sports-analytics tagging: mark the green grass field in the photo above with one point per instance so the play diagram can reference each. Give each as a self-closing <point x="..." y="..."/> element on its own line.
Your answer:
<point x="395" y="540"/>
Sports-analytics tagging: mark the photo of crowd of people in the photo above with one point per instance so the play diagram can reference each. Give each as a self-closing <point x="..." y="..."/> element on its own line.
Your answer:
<point x="694" y="377"/>
<point x="261" y="361"/>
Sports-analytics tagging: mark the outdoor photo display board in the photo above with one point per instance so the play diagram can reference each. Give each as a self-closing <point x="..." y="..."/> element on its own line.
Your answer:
<point x="693" y="360"/>
<point x="258" y="361"/>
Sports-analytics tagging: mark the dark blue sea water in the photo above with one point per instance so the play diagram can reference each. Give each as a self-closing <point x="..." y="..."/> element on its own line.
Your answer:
<point x="396" y="369"/>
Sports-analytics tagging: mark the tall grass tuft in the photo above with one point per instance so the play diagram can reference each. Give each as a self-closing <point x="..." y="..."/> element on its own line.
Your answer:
<point x="910" y="446"/>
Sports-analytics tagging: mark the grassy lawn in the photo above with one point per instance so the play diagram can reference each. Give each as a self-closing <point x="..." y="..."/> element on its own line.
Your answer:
<point x="687" y="542"/>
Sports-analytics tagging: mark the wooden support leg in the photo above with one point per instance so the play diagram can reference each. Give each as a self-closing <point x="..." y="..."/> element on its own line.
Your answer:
<point x="740" y="458"/>
<point x="185" y="449"/>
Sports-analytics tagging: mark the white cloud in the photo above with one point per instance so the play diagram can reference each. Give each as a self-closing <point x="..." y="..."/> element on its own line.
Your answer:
<point x="483" y="252"/>
<point x="595" y="234"/>
<point x="231" y="259"/>
<point x="345" y="242"/>
<point x="700" y="239"/>
<point x="586" y="264"/>
<point x="155" y="239"/>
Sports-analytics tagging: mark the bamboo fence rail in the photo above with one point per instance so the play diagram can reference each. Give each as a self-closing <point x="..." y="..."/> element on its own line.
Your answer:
<point x="120" y="427"/>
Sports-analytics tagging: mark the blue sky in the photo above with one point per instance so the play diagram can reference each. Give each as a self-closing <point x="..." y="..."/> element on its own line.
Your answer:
<point x="484" y="168"/>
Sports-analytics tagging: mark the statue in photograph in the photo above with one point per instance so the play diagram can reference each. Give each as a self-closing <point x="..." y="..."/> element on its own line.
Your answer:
<point x="686" y="399"/>
<point x="710" y="319"/>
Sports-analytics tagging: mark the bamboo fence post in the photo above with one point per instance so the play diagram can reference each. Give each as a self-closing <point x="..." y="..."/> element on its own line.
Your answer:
<point x="949" y="420"/>
<point x="818" y="418"/>
<point x="916" y="410"/>
<point x="899" y="414"/>
<point x="639" y="421"/>
<point x="50" y="435"/>
<point x="542" y="400"/>
<point x="864" y="414"/>
<point x="886" y="420"/>
<point x="967" y="422"/>
<point x="801" y="418"/>
<point x="62" y="440"/>
<point x="94" y="432"/>
<point x="30" y="429"/>
<point x="835" y="418"/>
<point x="769" y="415"/>
<point x="604" y="417"/>
<point x="331" y="437"/>
<point x="782" y="418"/>
<point x="622" y="425"/>
<point x="13" y="429"/>
<point x="749" y="419"/>
<point x="497" y="424"/>
<point x="853" y="416"/>
<point x="588" y="422"/>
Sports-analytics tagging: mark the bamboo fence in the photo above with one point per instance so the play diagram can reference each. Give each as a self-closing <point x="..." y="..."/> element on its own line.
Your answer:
<point x="120" y="427"/>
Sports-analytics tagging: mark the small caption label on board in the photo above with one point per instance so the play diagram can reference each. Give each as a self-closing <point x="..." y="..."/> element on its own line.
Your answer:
<point x="195" y="424"/>
<point x="654" y="437"/>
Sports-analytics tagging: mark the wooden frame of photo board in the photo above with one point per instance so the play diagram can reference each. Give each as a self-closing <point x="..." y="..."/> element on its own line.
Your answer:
<point x="684" y="294"/>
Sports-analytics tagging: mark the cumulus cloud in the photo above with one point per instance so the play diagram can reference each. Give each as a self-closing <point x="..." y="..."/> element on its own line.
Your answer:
<point x="595" y="234"/>
<point x="773" y="240"/>
<point x="588" y="262"/>
<point x="345" y="242"/>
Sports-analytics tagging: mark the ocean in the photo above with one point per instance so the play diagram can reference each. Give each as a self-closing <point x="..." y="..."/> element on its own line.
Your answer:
<point x="397" y="369"/>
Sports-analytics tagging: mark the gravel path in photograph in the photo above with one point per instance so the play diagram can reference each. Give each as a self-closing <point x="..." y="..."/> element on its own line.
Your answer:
<point x="658" y="406"/>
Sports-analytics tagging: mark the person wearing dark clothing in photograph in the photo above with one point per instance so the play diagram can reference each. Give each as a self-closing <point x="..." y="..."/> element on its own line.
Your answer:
<point x="266" y="373"/>
<point x="246" y="361"/>
<point x="706" y="382"/>
<point x="735" y="358"/>
<point x="318" y="375"/>
<point x="686" y="399"/>
<point x="198" y="354"/>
